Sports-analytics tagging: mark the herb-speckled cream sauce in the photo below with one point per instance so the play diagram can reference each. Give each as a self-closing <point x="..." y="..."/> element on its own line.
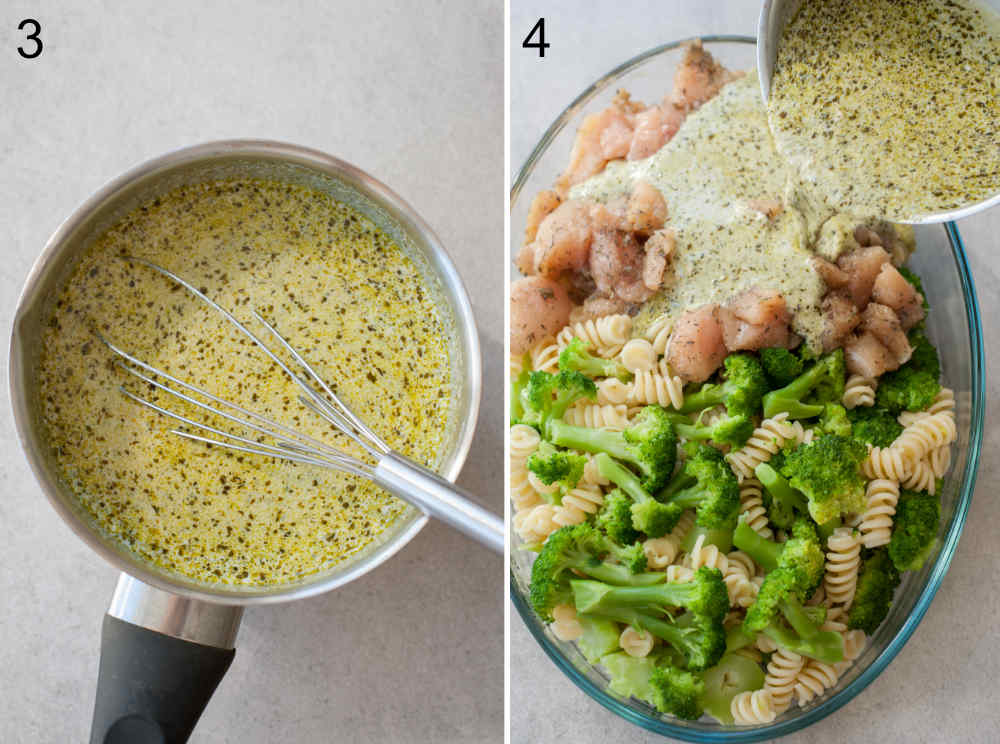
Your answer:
<point x="343" y="293"/>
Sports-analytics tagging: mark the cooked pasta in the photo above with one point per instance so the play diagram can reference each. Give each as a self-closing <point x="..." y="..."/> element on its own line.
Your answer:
<point x="591" y="475"/>
<point x="742" y="593"/>
<point x="578" y="504"/>
<point x="612" y="392"/>
<point x="766" y="439"/>
<point x="535" y="524"/>
<point x="885" y="463"/>
<point x="545" y="489"/>
<point x="814" y="679"/>
<point x="881" y="497"/>
<point x="637" y="355"/>
<point x="854" y="645"/>
<point x="752" y="708"/>
<point x="606" y="335"/>
<point x="921" y="477"/>
<point x="565" y="623"/>
<point x="752" y="507"/>
<point x="782" y="672"/>
<point x="706" y="555"/>
<point x="683" y="526"/>
<point x="800" y="434"/>
<point x="524" y="440"/>
<point x="545" y="356"/>
<point x="652" y="387"/>
<point x="636" y="642"/>
<point x="740" y="561"/>
<point x="660" y="551"/>
<point x="940" y="460"/>
<point x="658" y="334"/>
<point x="595" y="416"/>
<point x="843" y="551"/>
<point x="859" y="391"/>
<point x="679" y="574"/>
<point x="943" y="401"/>
<point x="930" y="432"/>
<point x="765" y="644"/>
<point x="522" y="494"/>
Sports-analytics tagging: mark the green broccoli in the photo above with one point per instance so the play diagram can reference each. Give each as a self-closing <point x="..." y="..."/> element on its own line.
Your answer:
<point x="780" y="365"/>
<point x="576" y="357"/>
<point x="804" y="396"/>
<point x="677" y="691"/>
<point x="517" y="384"/>
<point x="706" y="482"/>
<point x="731" y="430"/>
<point x="615" y="518"/>
<point x="801" y="554"/>
<point x="697" y="633"/>
<point x="877" y="582"/>
<point x="648" y="515"/>
<point x="649" y="444"/>
<point x="600" y="638"/>
<point x="785" y="502"/>
<point x="914" y="533"/>
<point x="733" y="674"/>
<point x="828" y="472"/>
<point x="875" y="426"/>
<point x="913" y="386"/>
<point x="547" y="397"/>
<point x="834" y="420"/>
<point x="553" y="465"/>
<point x="584" y="549"/>
<point x="630" y="675"/>
<point x="740" y="392"/>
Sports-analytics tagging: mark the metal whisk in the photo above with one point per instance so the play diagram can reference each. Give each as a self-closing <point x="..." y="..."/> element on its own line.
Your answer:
<point x="397" y="474"/>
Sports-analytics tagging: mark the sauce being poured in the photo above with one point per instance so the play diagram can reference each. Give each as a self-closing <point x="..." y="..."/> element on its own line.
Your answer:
<point x="890" y="108"/>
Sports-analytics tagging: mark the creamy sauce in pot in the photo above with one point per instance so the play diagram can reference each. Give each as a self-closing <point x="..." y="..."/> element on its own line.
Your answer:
<point x="891" y="107"/>
<point x="334" y="284"/>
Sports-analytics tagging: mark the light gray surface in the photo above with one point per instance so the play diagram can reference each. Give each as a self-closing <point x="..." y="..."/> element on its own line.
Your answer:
<point x="412" y="94"/>
<point x="941" y="687"/>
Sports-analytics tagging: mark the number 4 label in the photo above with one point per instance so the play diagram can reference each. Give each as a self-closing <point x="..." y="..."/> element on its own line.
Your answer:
<point x="538" y="34"/>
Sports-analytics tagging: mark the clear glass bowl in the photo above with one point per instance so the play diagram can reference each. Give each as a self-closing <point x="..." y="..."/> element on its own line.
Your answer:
<point x="954" y="325"/>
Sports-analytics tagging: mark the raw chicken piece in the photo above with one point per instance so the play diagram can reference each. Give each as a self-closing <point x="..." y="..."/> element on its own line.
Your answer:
<point x="831" y="274"/>
<point x="861" y="267"/>
<point x="892" y="289"/>
<point x="654" y="128"/>
<point x="646" y="210"/>
<point x="541" y="207"/>
<point x="696" y="348"/>
<point x="563" y="240"/>
<point x="539" y="307"/>
<point x="698" y="78"/>
<point x="599" y="305"/>
<point x="755" y="319"/>
<point x="865" y="355"/>
<point x="840" y="316"/>
<point x="601" y="137"/>
<point x="882" y="322"/>
<point x="616" y="266"/>
<point x="659" y="249"/>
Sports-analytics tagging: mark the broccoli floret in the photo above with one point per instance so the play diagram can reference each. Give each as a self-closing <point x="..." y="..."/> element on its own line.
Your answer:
<point x="874" y="426"/>
<point x="802" y="634"/>
<point x="648" y="515"/>
<point x="918" y="515"/>
<point x="517" y="385"/>
<point x="600" y="637"/>
<point x="649" y="444"/>
<point x="877" y="582"/>
<point x="547" y="397"/>
<point x="630" y="675"/>
<point x="733" y="674"/>
<point x="677" y="691"/>
<point x="615" y="518"/>
<point x="834" y="420"/>
<point x="582" y="548"/>
<point x="801" y="555"/>
<point x="913" y="386"/>
<point x="576" y="357"/>
<point x="804" y="396"/>
<point x="740" y="392"/>
<point x="780" y="365"/>
<point x="698" y="636"/>
<point x="731" y="430"/>
<point x="706" y="482"/>
<point x="552" y="465"/>
<point x="828" y="472"/>
<point x="786" y="503"/>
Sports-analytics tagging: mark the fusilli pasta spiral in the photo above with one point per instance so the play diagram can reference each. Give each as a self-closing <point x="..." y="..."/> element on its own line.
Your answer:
<point x="660" y="551"/>
<point x="752" y="506"/>
<point x="595" y="416"/>
<point x="578" y="504"/>
<point x="612" y="392"/>
<point x="881" y="497"/>
<point x="637" y="355"/>
<point x="766" y="440"/>
<point x="658" y="334"/>
<point x="545" y="356"/>
<point x="524" y="440"/>
<point x="606" y="335"/>
<point x="706" y="555"/>
<point x="522" y="494"/>
<point x="842" y="563"/>
<point x="782" y="672"/>
<point x="930" y="432"/>
<point x="921" y="476"/>
<point x="751" y="708"/>
<point x="940" y="460"/>
<point x="536" y="523"/>
<point x="636" y="643"/>
<point x="885" y="463"/>
<point x="565" y="623"/>
<point x="652" y="387"/>
<point x="859" y="391"/>
<point x="679" y="574"/>
<point x="591" y="475"/>
<point x="814" y="679"/>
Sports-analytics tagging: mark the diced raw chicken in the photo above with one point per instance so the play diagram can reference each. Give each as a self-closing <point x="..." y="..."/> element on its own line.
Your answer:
<point x="600" y="138"/>
<point x="598" y="305"/>
<point x="563" y="239"/>
<point x="840" y="317"/>
<point x="831" y="274"/>
<point x="755" y="319"/>
<point x="616" y="266"/>
<point x="646" y="210"/>
<point x="882" y="322"/>
<point x="659" y="249"/>
<point x="654" y="128"/>
<point x="861" y="267"/>
<point x="866" y="236"/>
<point x="616" y="139"/>
<point x="696" y="348"/>
<point x="539" y="307"/>
<point x="698" y="78"/>
<point x="865" y="355"/>
<point x="892" y="289"/>
<point x="542" y="206"/>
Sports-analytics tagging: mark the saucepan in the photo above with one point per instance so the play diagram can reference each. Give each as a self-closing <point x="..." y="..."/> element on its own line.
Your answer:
<point x="167" y="640"/>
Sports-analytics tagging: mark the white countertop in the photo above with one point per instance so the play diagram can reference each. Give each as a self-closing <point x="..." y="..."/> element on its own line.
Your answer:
<point x="941" y="687"/>
<point x="414" y="95"/>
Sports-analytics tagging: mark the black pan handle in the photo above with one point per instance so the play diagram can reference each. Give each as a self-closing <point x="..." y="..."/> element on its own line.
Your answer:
<point x="162" y="656"/>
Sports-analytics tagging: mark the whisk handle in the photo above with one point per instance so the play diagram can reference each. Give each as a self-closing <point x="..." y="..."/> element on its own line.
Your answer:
<point x="440" y="498"/>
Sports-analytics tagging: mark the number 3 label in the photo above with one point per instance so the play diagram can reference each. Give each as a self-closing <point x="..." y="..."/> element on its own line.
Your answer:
<point x="30" y="24"/>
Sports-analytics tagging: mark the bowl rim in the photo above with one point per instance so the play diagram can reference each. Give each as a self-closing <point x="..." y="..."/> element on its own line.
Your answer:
<point x="439" y="263"/>
<point x="949" y="543"/>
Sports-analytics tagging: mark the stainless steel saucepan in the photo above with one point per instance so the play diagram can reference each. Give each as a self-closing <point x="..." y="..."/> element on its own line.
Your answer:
<point x="167" y="640"/>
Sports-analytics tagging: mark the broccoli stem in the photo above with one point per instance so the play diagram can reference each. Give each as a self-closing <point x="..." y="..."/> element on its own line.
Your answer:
<point x="622" y="477"/>
<point x="798" y="619"/>
<point x="765" y="552"/>
<point x="708" y="397"/>
<point x="826" y="529"/>
<point x="825" y="646"/>
<point x="611" y="573"/>
<point x="588" y="440"/>
<point x="789" y="398"/>
<point x="720" y="537"/>
<point x="592" y="597"/>
<point x="779" y="488"/>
